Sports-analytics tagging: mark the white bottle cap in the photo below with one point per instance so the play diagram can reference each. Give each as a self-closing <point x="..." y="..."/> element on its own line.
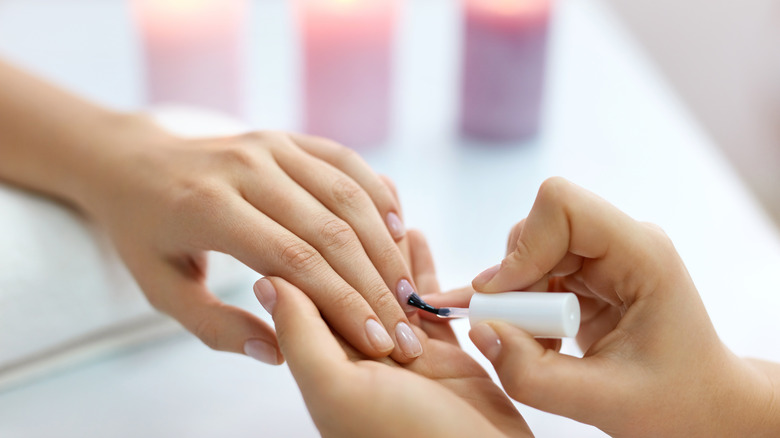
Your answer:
<point x="542" y="314"/>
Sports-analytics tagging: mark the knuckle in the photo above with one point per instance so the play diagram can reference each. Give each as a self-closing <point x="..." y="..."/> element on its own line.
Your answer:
<point x="337" y="234"/>
<point x="346" y="299"/>
<point x="384" y="302"/>
<point x="193" y="195"/>
<point x="389" y="256"/>
<point x="240" y="154"/>
<point x="347" y="192"/>
<point x="554" y="189"/>
<point x="299" y="256"/>
<point x="258" y="137"/>
<point x="659" y="239"/>
<point x="342" y="154"/>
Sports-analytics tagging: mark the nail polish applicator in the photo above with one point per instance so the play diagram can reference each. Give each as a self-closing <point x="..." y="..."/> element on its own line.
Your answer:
<point x="542" y="314"/>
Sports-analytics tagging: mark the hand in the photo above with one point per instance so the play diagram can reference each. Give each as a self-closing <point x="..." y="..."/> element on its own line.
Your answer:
<point x="302" y="208"/>
<point x="443" y="393"/>
<point x="653" y="364"/>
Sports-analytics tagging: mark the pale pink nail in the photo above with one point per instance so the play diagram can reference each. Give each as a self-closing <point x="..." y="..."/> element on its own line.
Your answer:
<point x="261" y="351"/>
<point x="396" y="227"/>
<point x="485" y="276"/>
<point x="266" y="294"/>
<point x="378" y="336"/>
<point x="404" y="290"/>
<point x="407" y="340"/>
<point x="486" y="340"/>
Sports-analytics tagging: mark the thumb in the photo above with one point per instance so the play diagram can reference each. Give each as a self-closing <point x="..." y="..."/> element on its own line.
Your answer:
<point x="543" y="378"/>
<point x="220" y="326"/>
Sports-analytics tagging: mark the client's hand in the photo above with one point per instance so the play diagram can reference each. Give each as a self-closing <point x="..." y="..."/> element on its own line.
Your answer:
<point x="444" y="393"/>
<point x="653" y="364"/>
<point x="298" y="207"/>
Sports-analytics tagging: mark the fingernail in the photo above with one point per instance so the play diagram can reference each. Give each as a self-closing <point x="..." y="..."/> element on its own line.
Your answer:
<point x="486" y="340"/>
<point x="378" y="336"/>
<point x="266" y="294"/>
<point x="404" y="290"/>
<point x="486" y="275"/>
<point x="407" y="340"/>
<point x="396" y="227"/>
<point x="261" y="351"/>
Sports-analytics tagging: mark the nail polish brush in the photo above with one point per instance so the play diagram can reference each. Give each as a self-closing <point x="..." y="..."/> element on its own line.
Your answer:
<point x="542" y="314"/>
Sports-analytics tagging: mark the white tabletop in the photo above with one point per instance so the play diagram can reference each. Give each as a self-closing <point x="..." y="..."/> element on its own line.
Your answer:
<point x="612" y="125"/>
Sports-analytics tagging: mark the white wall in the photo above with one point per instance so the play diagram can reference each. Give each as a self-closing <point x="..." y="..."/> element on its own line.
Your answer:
<point x="723" y="57"/>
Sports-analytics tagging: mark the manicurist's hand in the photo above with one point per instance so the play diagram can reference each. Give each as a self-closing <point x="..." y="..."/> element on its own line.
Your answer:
<point x="444" y="393"/>
<point x="653" y="364"/>
<point x="302" y="208"/>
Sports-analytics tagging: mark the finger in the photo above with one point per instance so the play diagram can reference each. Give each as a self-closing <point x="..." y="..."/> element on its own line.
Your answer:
<point x="564" y="219"/>
<point x="350" y="163"/>
<point x="339" y="247"/>
<point x="390" y="184"/>
<point x="270" y="249"/>
<point x="455" y="298"/>
<point x="543" y="378"/>
<point x="424" y="272"/>
<point x="514" y="234"/>
<point x="220" y="326"/>
<point x="348" y="200"/>
<point x="439" y="330"/>
<point x="313" y="353"/>
<point x="423" y="268"/>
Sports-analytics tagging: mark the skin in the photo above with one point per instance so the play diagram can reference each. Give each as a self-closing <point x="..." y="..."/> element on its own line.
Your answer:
<point x="444" y="393"/>
<point x="298" y="207"/>
<point x="653" y="364"/>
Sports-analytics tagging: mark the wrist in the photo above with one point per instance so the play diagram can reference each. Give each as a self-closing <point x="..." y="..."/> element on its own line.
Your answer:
<point x="102" y="156"/>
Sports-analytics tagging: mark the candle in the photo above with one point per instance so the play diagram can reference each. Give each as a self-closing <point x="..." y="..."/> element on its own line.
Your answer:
<point x="194" y="51"/>
<point x="347" y="47"/>
<point x="505" y="47"/>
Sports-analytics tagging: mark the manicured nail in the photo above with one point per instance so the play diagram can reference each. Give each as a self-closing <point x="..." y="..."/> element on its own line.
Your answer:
<point x="485" y="276"/>
<point x="404" y="290"/>
<point x="378" y="336"/>
<point x="396" y="227"/>
<point x="407" y="340"/>
<point x="261" y="350"/>
<point x="487" y="341"/>
<point x="266" y="294"/>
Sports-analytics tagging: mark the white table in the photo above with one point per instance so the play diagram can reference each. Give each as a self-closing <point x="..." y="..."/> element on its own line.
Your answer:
<point x="612" y="125"/>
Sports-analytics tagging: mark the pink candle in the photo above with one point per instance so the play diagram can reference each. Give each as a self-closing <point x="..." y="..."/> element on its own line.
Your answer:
<point x="194" y="51"/>
<point x="348" y="68"/>
<point x="505" y="46"/>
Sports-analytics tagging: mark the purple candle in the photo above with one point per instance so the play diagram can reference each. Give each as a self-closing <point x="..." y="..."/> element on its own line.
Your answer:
<point x="505" y="47"/>
<point x="348" y="48"/>
<point x="194" y="51"/>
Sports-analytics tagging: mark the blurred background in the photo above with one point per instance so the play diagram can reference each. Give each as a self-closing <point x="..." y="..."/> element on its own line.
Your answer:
<point x="722" y="58"/>
<point x="670" y="110"/>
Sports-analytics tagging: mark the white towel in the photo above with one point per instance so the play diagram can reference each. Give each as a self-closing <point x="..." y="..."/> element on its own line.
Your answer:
<point x="65" y="296"/>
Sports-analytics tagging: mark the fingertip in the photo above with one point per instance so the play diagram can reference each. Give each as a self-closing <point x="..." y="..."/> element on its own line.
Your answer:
<point x="263" y="351"/>
<point x="486" y="340"/>
<point x="482" y="281"/>
<point x="395" y="226"/>
<point x="408" y="342"/>
<point x="266" y="294"/>
<point x="378" y="337"/>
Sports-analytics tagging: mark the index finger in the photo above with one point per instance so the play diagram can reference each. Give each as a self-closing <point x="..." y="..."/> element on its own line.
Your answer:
<point x="566" y="219"/>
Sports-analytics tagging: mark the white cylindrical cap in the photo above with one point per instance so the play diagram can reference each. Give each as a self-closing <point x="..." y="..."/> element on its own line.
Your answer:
<point x="542" y="314"/>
